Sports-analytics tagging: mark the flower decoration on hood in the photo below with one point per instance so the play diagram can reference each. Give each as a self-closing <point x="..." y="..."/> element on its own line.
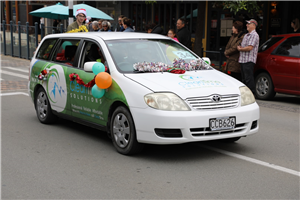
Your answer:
<point x="179" y="66"/>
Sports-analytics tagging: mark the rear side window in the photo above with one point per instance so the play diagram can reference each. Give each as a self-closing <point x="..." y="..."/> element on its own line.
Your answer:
<point x="270" y="42"/>
<point x="45" y="49"/>
<point x="290" y="47"/>
<point x="66" y="51"/>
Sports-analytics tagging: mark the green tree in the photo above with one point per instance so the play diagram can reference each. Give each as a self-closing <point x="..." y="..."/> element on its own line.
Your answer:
<point x="233" y="5"/>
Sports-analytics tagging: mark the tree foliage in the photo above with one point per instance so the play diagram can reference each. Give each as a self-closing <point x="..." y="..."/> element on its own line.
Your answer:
<point x="239" y="5"/>
<point x="233" y="5"/>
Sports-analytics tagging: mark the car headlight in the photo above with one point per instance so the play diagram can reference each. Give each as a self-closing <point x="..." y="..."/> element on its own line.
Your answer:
<point x="247" y="96"/>
<point x="166" y="101"/>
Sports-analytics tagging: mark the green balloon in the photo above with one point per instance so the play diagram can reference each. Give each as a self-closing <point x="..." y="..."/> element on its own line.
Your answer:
<point x="66" y="43"/>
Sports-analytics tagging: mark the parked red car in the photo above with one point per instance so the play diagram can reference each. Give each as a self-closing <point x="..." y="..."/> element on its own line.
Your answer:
<point x="277" y="67"/>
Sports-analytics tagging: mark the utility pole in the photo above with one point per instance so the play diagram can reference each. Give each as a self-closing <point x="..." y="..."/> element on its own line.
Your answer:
<point x="71" y="18"/>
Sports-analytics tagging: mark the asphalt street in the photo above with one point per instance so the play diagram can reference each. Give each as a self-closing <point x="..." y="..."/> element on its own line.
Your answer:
<point x="71" y="161"/>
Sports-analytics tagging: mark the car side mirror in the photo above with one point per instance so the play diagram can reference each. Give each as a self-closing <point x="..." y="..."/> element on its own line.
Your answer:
<point x="207" y="60"/>
<point x="88" y="66"/>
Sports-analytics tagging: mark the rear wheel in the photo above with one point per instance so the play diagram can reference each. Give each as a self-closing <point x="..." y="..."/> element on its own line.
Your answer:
<point x="43" y="108"/>
<point x="123" y="132"/>
<point x="264" y="88"/>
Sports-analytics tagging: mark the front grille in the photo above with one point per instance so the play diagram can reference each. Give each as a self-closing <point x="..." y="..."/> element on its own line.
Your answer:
<point x="206" y="131"/>
<point x="207" y="103"/>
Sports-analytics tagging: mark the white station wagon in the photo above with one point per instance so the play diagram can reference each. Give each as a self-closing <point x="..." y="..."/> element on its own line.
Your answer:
<point x="139" y="88"/>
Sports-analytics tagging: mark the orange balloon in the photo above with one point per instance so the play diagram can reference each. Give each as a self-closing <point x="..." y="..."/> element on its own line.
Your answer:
<point x="103" y="80"/>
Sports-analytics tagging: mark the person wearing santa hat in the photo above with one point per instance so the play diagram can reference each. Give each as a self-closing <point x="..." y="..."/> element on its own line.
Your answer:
<point x="80" y="18"/>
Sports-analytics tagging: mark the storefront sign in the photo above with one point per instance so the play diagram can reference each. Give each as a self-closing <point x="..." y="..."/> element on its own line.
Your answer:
<point x="42" y="2"/>
<point x="275" y="22"/>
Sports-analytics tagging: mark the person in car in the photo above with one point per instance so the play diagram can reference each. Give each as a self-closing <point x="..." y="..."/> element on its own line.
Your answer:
<point x="80" y="18"/>
<point x="231" y="52"/>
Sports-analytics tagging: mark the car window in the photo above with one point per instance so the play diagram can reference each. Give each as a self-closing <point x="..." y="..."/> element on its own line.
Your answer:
<point x="92" y="52"/>
<point x="44" y="51"/>
<point x="290" y="47"/>
<point x="65" y="53"/>
<point x="126" y="53"/>
<point x="270" y="42"/>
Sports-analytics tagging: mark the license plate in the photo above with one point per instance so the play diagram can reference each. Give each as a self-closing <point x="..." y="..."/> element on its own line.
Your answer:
<point x="221" y="123"/>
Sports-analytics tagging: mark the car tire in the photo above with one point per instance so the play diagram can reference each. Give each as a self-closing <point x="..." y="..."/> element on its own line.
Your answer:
<point x="264" y="88"/>
<point x="43" y="107"/>
<point x="123" y="132"/>
<point x="230" y="140"/>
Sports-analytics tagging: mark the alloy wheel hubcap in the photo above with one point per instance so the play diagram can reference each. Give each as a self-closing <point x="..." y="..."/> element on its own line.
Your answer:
<point x="262" y="86"/>
<point x="42" y="105"/>
<point x="121" y="130"/>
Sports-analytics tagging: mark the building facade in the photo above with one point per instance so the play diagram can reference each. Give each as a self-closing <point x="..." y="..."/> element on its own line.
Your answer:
<point x="273" y="17"/>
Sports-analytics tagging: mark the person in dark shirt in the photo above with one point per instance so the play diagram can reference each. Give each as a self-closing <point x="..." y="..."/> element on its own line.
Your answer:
<point x="183" y="34"/>
<point x="157" y="29"/>
<point x="119" y="27"/>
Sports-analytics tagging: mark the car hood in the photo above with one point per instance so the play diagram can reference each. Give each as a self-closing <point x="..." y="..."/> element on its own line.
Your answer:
<point x="189" y="84"/>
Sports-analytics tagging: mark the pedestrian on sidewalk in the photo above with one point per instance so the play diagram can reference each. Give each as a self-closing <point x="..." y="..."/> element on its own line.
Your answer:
<point x="295" y="24"/>
<point x="119" y="26"/>
<point x="172" y="34"/>
<point x="183" y="34"/>
<point x="127" y="25"/>
<point x="105" y="26"/>
<point x="233" y="67"/>
<point x="80" y="18"/>
<point x="157" y="29"/>
<point x="95" y="27"/>
<point x="100" y="24"/>
<point x="248" y="54"/>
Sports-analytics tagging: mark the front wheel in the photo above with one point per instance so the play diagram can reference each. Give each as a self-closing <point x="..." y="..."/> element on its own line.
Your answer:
<point x="43" y="108"/>
<point x="123" y="132"/>
<point x="264" y="88"/>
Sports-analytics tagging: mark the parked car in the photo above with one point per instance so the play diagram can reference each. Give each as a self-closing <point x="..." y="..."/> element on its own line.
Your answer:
<point x="138" y="100"/>
<point x="278" y="66"/>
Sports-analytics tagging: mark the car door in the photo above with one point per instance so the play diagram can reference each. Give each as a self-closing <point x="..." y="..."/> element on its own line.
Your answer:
<point x="83" y="104"/>
<point x="63" y="59"/>
<point x="284" y="62"/>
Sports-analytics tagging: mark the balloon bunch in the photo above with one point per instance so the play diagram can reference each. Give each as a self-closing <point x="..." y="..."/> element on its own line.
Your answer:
<point x="103" y="80"/>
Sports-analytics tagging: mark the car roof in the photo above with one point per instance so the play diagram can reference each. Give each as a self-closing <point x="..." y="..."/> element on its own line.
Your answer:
<point x="110" y="35"/>
<point x="287" y="35"/>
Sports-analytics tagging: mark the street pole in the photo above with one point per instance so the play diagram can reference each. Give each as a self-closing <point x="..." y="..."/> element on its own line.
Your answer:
<point x="70" y="4"/>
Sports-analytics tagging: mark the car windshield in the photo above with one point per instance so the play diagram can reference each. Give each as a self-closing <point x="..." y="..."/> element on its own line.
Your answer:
<point x="127" y="53"/>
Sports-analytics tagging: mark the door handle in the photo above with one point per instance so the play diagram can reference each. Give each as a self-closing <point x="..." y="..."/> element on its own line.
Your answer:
<point x="274" y="59"/>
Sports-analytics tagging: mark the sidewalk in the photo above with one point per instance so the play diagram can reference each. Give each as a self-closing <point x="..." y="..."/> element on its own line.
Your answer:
<point x="14" y="61"/>
<point x="20" y="85"/>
